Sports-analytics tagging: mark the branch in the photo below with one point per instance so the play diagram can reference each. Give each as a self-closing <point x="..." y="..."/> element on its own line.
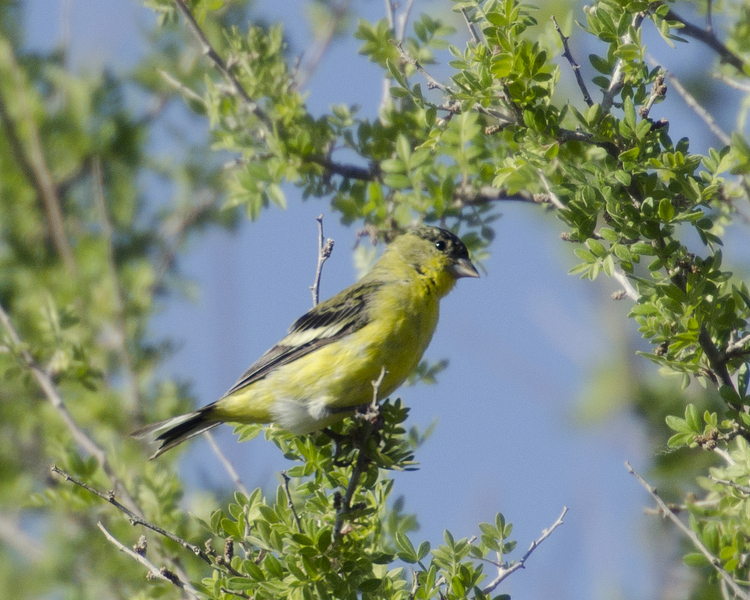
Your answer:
<point x="573" y="64"/>
<point x="487" y="193"/>
<point x="432" y="83"/>
<point x="625" y="283"/>
<point x="708" y="37"/>
<point x="132" y="517"/>
<point x="618" y="75"/>
<point x="225" y="462"/>
<point x="290" y="504"/>
<point x="50" y="391"/>
<point x="402" y="20"/>
<point x="325" y="247"/>
<point x="153" y="572"/>
<point x="350" y="171"/>
<point x="715" y="562"/>
<point x="470" y="26"/>
<point x="180" y="87"/>
<point x="658" y="90"/>
<point x="692" y="103"/>
<point x="34" y="166"/>
<point x="219" y="63"/>
<point x="740" y="488"/>
<point x="371" y="415"/>
<point x="504" y="572"/>
<point x="716" y="359"/>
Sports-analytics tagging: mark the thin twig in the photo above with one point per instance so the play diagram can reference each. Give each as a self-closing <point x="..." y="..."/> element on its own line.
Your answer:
<point x="733" y="83"/>
<point x="153" y="572"/>
<point x="50" y="391"/>
<point x="226" y="463"/>
<point x="625" y="283"/>
<point x="34" y="164"/>
<point x="220" y="64"/>
<point x="618" y="75"/>
<point x="338" y="12"/>
<point x="554" y="200"/>
<point x="738" y="347"/>
<point x="716" y="359"/>
<point x="658" y="90"/>
<point x="715" y="562"/>
<point x="708" y="37"/>
<point x="470" y="26"/>
<point x="289" y="501"/>
<point x="504" y="572"/>
<point x="133" y="394"/>
<point x="573" y="64"/>
<point x="325" y="247"/>
<point x="132" y="517"/>
<point x="740" y="488"/>
<point x="692" y="103"/>
<point x="402" y="20"/>
<point x="181" y="87"/>
<point x="432" y="83"/>
<point x="362" y="458"/>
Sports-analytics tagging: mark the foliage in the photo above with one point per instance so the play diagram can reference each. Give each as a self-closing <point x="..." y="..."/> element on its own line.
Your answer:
<point x="86" y="261"/>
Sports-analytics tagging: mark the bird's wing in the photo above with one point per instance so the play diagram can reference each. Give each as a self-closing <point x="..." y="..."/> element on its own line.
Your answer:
<point x="327" y="322"/>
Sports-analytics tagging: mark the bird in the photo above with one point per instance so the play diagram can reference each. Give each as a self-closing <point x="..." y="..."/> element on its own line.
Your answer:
<point x="326" y="365"/>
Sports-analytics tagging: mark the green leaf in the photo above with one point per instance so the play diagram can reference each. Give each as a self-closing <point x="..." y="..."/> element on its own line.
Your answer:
<point x="666" y="210"/>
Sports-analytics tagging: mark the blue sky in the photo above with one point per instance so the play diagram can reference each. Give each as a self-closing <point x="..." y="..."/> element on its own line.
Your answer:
<point x="522" y="342"/>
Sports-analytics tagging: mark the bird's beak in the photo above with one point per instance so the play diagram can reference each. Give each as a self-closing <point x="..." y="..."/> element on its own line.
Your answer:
<point x="463" y="268"/>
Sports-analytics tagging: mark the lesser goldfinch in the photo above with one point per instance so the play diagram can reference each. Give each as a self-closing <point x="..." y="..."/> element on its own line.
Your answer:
<point x="324" y="368"/>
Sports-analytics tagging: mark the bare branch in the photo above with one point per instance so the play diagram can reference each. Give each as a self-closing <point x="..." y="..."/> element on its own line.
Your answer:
<point x="504" y="572"/>
<point x="552" y="196"/>
<point x="715" y="562"/>
<point x="290" y="504"/>
<point x="350" y="171"/>
<point x="220" y="64"/>
<point x="470" y="26"/>
<point x="658" y="90"/>
<point x="706" y="116"/>
<point x="225" y="462"/>
<point x="402" y="20"/>
<point x="625" y="283"/>
<point x="708" y="37"/>
<point x="325" y="247"/>
<point x="153" y="572"/>
<point x="573" y="64"/>
<point x="373" y="411"/>
<point x="716" y="359"/>
<point x="180" y="87"/>
<point x="740" y="488"/>
<point x="132" y="517"/>
<point x="34" y="165"/>
<point x="338" y="13"/>
<point x="618" y="75"/>
<point x="432" y="83"/>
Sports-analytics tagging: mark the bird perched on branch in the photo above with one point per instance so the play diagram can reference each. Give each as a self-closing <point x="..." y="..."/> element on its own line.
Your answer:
<point x="324" y="368"/>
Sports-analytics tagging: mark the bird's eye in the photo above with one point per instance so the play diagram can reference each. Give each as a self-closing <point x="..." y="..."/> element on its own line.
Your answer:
<point x="440" y="245"/>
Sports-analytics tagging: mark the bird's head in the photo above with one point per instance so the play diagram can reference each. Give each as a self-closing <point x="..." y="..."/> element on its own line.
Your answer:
<point x="434" y="253"/>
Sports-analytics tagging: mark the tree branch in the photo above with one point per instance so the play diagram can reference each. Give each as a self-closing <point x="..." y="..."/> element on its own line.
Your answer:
<point x="325" y="247"/>
<point x="221" y="66"/>
<point x="34" y="167"/>
<point x="371" y="416"/>
<point x="708" y="37"/>
<point x="715" y="562"/>
<point x="573" y="64"/>
<point x="226" y="463"/>
<point x="153" y="572"/>
<point x="504" y="572"/>
<point x="132" y="517"/>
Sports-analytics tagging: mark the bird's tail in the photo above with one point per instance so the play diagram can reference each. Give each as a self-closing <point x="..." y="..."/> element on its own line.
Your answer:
<point x="176" y="430"/>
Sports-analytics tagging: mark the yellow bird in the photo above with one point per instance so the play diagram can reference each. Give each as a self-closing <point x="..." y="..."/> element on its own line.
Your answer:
<point x="324" y="368"/>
